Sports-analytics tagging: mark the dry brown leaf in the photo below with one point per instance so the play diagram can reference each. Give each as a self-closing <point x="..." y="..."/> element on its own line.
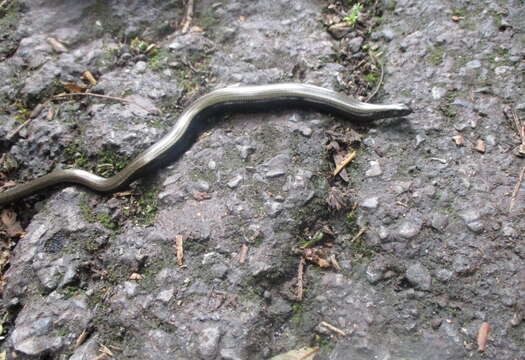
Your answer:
<point x="196" y="28"/>
<point x="335" y="199"/>
<point x="199" y="196"/>
<point x="136" y="276"/>
<point x="480" y="146"/>
<point x="459" y="140"/>
<point x="13" y="227"/>
<point x="74" y="88"/>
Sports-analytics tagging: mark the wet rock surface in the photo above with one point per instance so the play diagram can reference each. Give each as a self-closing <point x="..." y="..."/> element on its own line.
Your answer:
<point x="441" y="253"/>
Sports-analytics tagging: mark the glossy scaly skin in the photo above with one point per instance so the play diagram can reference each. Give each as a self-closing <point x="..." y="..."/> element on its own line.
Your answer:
<point x="245" y="96"/>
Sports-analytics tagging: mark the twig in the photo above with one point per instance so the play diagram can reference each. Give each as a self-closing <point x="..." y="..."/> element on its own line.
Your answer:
<point x="358" y="235"/>
<point x="188" y="16"/>
<point x="343" y="163"/>
<point x="483" y="336"/>
<point x="516" y="190"/>
<point x="179" y="241"/>
<point x="244" y="253"/>
<point x="332" y="328"/>
<point x="36" y="111"/>
<point x="380" y="82"/>
<point x="300" y="280"/>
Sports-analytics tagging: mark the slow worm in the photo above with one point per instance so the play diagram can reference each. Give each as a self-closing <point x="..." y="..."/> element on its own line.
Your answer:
<point x="262" y="97"/>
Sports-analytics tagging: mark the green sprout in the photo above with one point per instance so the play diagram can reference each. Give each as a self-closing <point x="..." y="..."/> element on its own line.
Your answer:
<point x="354" y="14"/>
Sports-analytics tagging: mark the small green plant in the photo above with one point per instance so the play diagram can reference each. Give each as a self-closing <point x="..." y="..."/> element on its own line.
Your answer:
<point x="355" y="12"/>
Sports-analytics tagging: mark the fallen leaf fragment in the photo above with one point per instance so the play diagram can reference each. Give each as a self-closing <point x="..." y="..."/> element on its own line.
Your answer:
<point x="13" y="227"/>
<point x="74" y="88"/>
<point x="199" y="196"/>
<point x="480" y="146"/>
<point x="459" y="140"/>
<point x="136" y="276"/>
<point x="483" y="336"/>
<point x="57" y="45"/>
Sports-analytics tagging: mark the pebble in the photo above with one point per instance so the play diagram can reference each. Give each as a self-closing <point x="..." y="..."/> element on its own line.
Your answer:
<point x="140" y="67"/>
<point x="461" y="264"/>
<point x="444" y="275"/>
<point x="474" y="64"/>
<point x="219" y="271"/>
<point x="235" y="181"/>
<point x="275" y="173"/>
<point x="370" y="203"/>
<point x="409" y="229"/>
<point x="419" y="276"/>
<point x="209" y="342"/>
<point x="374" y="170"/>
<point x="436" y="323"/>
<point x="388" y="34"/>
<point x="355" y="44"/>
<point x="439" y="221"/>
<point x="166" y="295"/>
<point x="306" y="131"/>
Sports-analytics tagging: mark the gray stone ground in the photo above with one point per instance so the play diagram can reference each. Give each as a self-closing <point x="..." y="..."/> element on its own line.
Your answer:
<point x="442" y="253"/>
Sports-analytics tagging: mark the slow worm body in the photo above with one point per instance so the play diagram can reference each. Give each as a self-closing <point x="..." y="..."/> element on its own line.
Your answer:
<point x="229" y="98"/>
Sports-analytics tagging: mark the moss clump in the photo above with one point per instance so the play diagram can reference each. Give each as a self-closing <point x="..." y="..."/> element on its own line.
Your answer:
<point x="446" y="106"/>
<point x="436" y="55"/>
<point x="91" y="216"/>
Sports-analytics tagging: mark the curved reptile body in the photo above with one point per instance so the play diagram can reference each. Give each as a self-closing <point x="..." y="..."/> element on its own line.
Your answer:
<point x="183" y="132"/>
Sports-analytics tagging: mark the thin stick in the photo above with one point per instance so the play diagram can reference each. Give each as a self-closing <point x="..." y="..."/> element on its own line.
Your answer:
<point x="343" y="163"/>
<point x="361" y="232"/>
<point x="179" y="241"/>
<point x="244" y="253"/>
<point x="332" y="328"/>
<point x="380" y="78"/>
<point x="516" y="190"/>
<point x="188" y="16"/>
<point x="300" y="280"/>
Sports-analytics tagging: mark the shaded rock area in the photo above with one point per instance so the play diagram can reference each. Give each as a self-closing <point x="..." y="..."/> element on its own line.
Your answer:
<point x="440" y="252"/>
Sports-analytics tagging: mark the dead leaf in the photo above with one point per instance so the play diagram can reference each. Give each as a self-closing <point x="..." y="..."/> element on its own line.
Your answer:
<point x="136" y="276"/>
<point x="13" y="227"/>
<point x="196" y="28"/>
<point x="480" y="146"/>
<point x="74" y="88"/>
<point x="459" y="140"/>
<point x="199" y="196"/>
<point x="336" y="199"/>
